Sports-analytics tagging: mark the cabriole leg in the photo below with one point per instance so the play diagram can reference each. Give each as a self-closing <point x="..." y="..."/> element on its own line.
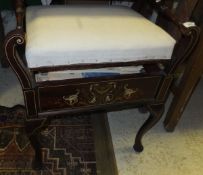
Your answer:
<point x="156" y="112"/>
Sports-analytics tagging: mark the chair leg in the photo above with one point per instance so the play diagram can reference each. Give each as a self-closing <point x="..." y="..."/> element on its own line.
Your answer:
<point x="33" y="129"/>
<point x="156" y="112"/>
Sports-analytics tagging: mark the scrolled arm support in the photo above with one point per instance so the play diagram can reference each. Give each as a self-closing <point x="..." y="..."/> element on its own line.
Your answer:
<point x="191" y="40"/>
<point x="12" y="40"/>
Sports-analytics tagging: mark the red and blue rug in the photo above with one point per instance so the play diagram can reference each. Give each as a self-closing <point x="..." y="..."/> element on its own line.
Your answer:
<point x="68" y="146"/>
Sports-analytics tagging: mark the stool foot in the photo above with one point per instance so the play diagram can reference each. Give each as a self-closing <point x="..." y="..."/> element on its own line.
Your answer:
<point x="138" y="148"/>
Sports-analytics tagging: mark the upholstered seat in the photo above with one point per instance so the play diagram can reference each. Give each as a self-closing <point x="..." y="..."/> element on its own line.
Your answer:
<point x="63" y="35"/>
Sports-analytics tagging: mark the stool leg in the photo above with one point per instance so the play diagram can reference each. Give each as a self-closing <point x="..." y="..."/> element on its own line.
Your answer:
<point x="156" y="112"/>
<point x="33" y="129"/>
<point x="37" y="162"/>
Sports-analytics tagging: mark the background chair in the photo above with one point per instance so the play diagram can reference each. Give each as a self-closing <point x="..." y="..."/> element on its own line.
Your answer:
<point x="192" y="69"/>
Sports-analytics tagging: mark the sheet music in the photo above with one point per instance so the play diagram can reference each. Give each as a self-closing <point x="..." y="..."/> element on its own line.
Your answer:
<point x="71" y="74"/>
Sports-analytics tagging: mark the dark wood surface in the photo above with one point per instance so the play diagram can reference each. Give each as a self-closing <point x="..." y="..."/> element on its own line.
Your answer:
<point x="183" y="12"/>
<point x="198" y="13"/>
<point x="185" y="9"/>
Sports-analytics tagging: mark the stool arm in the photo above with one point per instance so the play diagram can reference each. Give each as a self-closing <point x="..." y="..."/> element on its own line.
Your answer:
<point x="12" y="42"/>
<point x="189" y="35"/>
<point x="184" y="48"/>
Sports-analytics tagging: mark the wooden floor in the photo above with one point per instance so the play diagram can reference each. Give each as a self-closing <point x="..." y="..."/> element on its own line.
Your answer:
<point x="106" y="162"/>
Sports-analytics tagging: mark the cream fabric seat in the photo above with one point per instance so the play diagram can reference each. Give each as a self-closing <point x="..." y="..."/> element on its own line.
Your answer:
<point x="64" y="35"/>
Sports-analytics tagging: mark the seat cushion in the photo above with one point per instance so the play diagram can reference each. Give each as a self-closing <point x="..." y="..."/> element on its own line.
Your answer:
<point x="64" y="35"/>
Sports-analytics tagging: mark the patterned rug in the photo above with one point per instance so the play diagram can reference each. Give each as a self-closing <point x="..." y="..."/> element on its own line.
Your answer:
<point x="68" y="147"/>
